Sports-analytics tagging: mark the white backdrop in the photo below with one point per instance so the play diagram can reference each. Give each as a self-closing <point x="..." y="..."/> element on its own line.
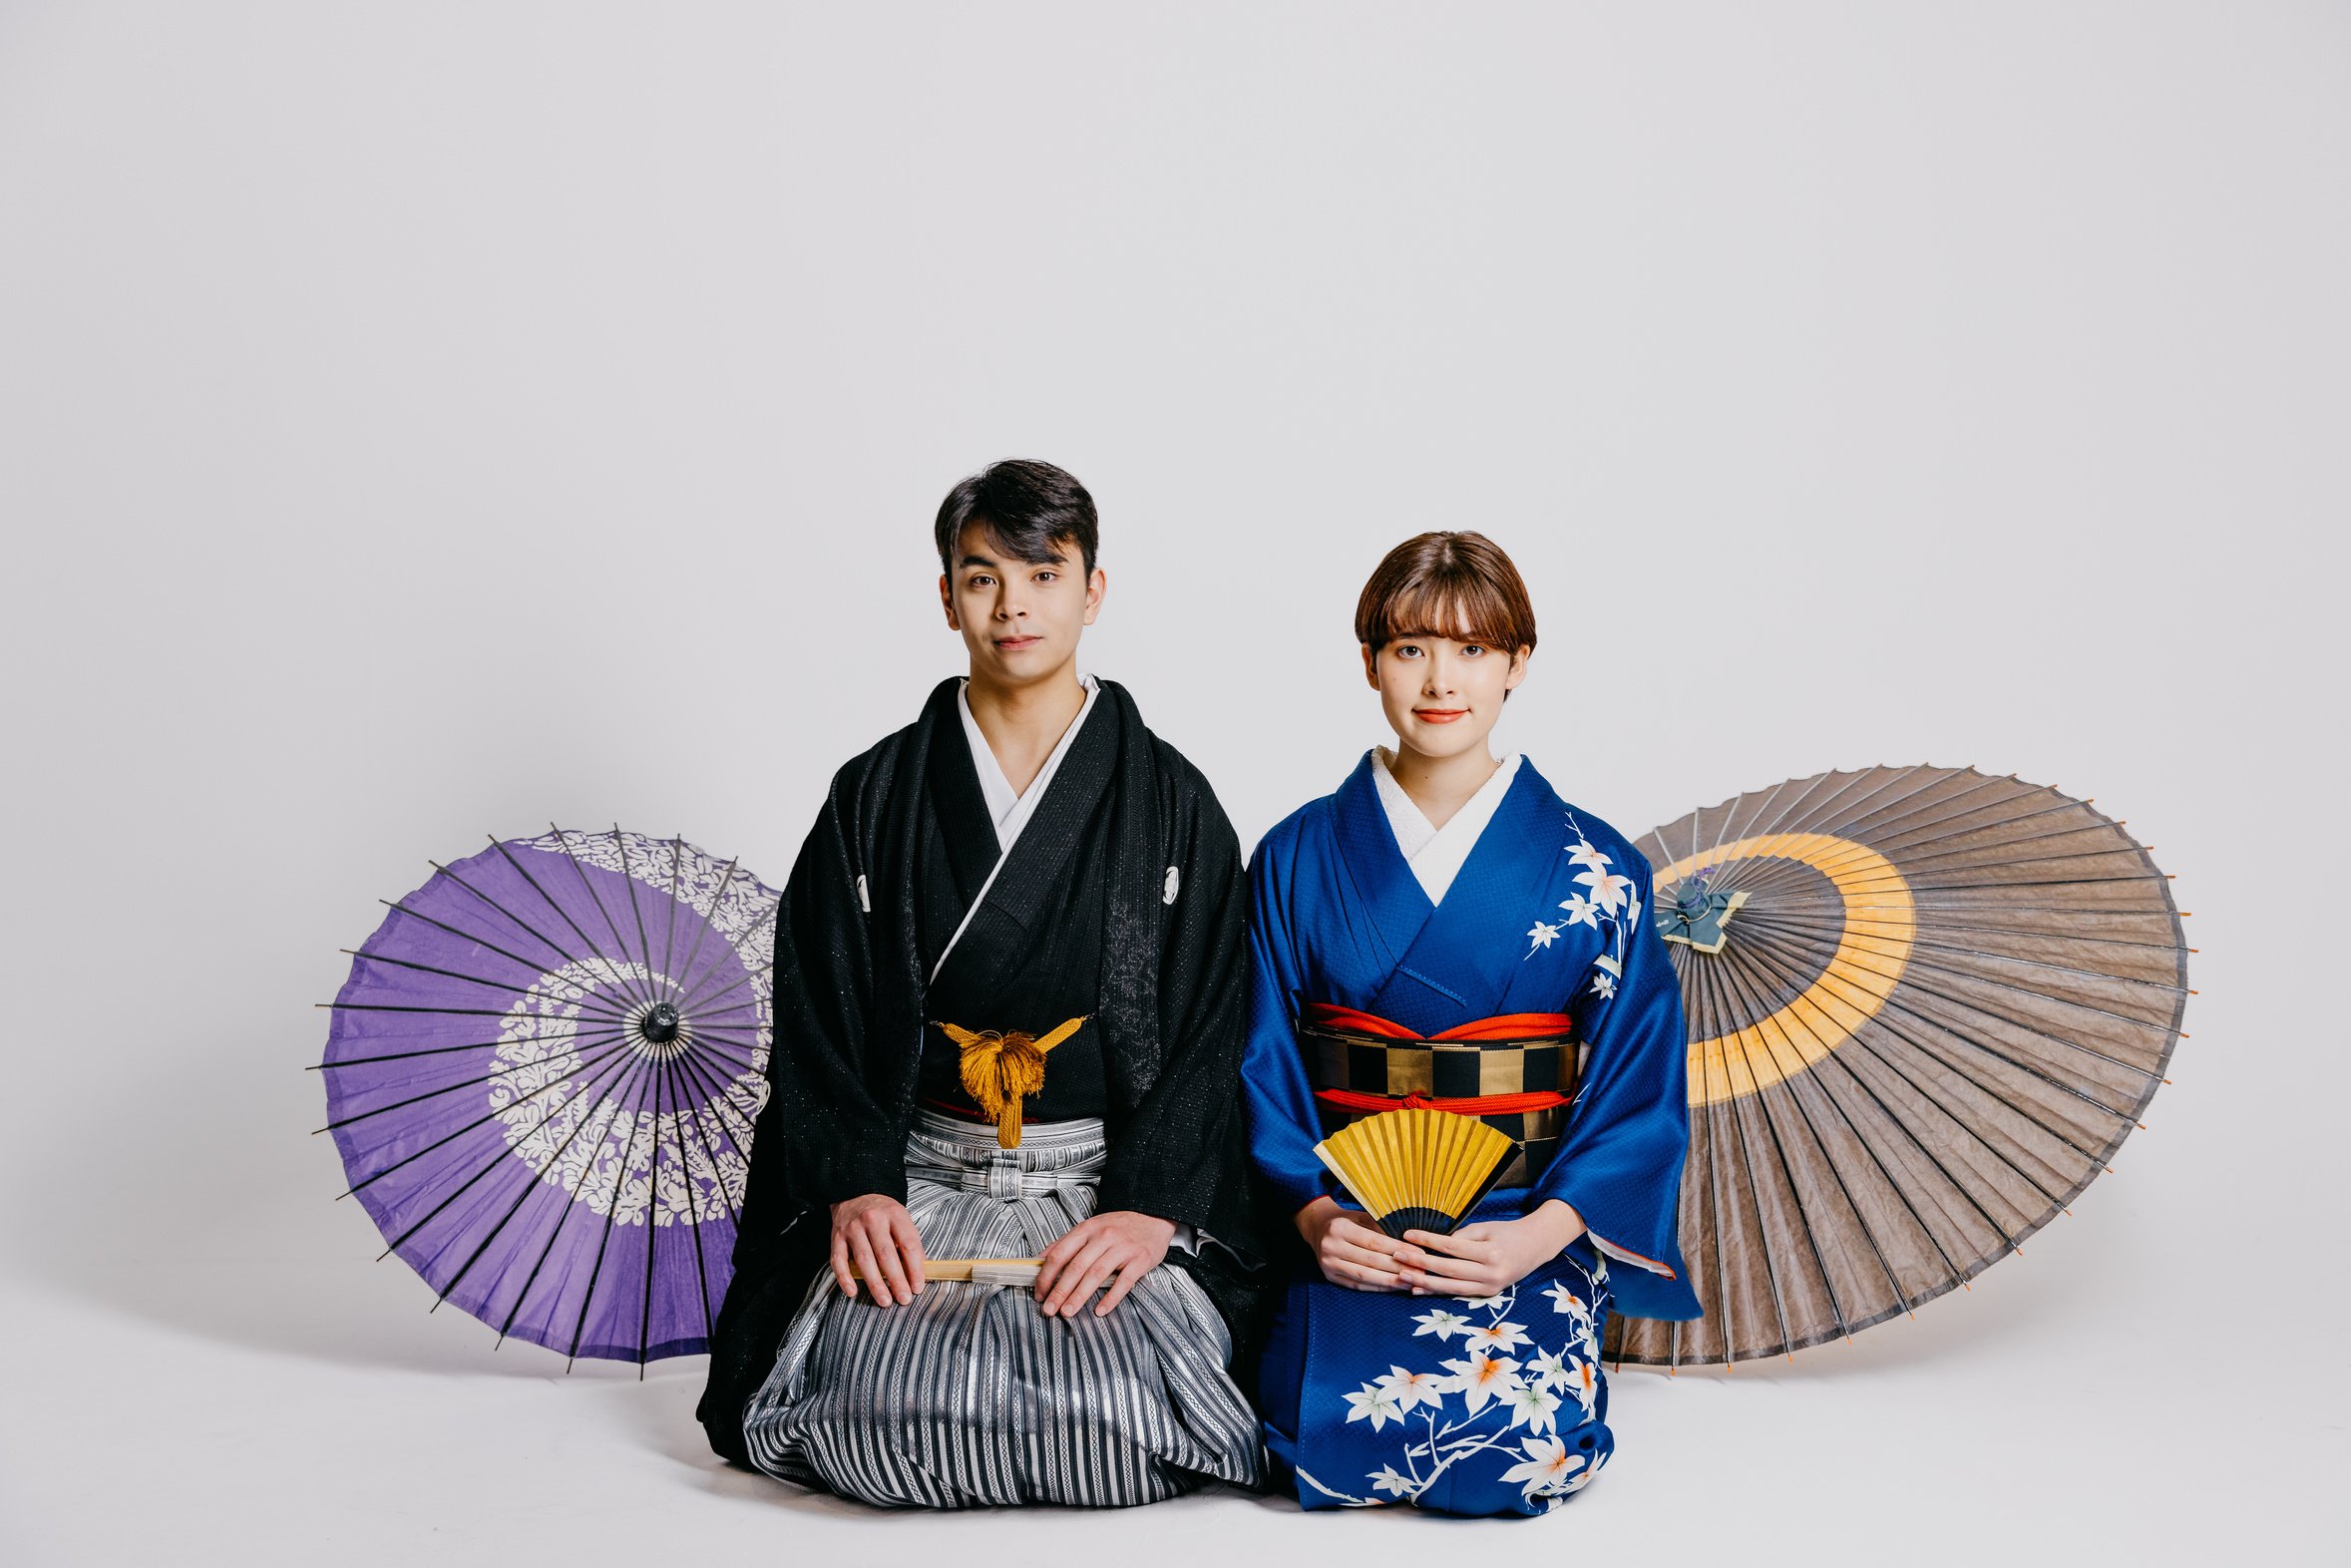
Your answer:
<point x="425" y="421"/>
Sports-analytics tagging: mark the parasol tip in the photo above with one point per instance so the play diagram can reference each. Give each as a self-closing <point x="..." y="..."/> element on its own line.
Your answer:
<point x="2167" y="1080"/>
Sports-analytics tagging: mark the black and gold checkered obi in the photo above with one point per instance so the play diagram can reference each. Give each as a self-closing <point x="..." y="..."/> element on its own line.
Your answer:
<point x="1516" y="1073"/>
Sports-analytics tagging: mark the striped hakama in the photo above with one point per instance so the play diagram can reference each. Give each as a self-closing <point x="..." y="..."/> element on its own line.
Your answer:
<point x="970" y="1395"/>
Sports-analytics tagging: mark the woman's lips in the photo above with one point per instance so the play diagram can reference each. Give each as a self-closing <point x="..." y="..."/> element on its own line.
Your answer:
<point x="1439" y="715"/>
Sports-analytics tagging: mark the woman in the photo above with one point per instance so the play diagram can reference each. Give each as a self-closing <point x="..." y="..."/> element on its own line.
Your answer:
<point x="1445" y="930"/>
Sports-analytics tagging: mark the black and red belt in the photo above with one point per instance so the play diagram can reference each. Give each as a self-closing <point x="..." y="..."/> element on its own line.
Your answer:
<point x="1516" y="1072"/>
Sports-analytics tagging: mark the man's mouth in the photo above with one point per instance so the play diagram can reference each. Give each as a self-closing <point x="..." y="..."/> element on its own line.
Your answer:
<point x="1015" y="644"/>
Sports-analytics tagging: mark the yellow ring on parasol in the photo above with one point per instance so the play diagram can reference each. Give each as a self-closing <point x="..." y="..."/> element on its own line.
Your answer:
<point x="1881" y="923"/>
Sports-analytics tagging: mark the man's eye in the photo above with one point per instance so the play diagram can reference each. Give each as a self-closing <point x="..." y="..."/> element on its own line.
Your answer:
<point x="1046" y="576"/>
<point x="984" y="581"/>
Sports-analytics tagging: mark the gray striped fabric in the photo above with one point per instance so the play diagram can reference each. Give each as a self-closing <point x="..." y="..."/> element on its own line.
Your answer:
<point x="970" y="1396"/>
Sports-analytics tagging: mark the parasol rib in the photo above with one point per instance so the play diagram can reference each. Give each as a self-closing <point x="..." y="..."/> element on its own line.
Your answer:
<point x="619" y="942"/>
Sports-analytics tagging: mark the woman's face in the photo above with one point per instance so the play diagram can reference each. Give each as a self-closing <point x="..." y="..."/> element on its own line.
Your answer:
<point x="1442" y="696"/>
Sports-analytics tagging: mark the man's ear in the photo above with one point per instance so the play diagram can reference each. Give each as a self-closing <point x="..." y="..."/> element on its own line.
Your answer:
<point x="946" y="601"/>
<point x="1097" y="585"/>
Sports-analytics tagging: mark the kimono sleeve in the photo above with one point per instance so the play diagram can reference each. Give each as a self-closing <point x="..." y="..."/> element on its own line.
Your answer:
<point x="1171" y="1156"/>
<point x="1620" y="1166"/>
<point x="1283" y="1126"/>
<point x="821" y="1136"/>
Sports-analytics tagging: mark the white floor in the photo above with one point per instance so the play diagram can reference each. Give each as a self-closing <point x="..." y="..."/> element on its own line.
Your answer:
<point x="2107" y="1398"/>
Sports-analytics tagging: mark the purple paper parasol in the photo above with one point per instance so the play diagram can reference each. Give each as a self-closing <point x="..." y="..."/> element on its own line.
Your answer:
<point x="543" y="1075"/>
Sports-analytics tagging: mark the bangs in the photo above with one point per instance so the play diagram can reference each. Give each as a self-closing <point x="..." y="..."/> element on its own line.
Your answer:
<point x="1465" y="610"/>
<point x="1459" y="586"/>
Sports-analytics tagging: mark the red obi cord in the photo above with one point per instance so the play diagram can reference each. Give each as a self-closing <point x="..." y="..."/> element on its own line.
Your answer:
<point x="1508" y="1026"/>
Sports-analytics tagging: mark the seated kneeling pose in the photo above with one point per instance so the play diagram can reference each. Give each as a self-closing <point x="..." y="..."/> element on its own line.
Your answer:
<point x="1009" y="1010"/>
<point x="1445" y="932"/>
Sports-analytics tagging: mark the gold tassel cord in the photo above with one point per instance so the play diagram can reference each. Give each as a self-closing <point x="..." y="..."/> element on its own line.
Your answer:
<point x="999" y="1070"/>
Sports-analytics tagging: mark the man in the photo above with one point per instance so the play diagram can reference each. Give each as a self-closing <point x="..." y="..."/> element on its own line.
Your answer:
<point x="1010" y="994"/>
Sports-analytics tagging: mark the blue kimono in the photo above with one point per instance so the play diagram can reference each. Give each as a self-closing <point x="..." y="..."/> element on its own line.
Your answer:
<point x="1467" y="1406"/>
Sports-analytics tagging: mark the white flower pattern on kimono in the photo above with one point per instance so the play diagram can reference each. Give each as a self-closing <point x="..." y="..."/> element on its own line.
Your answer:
<point x="1531" y="1408"/>
<point x="1566" y="1300"/>
<point x="1496" y="1337"/>
<point x="1609" y="890"/>
<point x="1412" y="1388"/>
<point x="1607" y="972"/>
<point x="1547" y="1467"/>
<point x="1505" y="1397"/>
<point x="1374" y="1404"/>
<point x="1542" y="936"/>
<point x="1445" y="1324"/>
<point x="1580" y="911"/>
<point x="1583" y="1381"/>
<point x="1479" y="1377"/>
<point x="1583" y="853"/>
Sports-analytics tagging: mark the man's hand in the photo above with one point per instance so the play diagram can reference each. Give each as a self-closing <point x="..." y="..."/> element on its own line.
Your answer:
<point x="1072" y="1268"/>
<point x="1350" y="1251"/>
<point x="1491" y="1255"/>
<point x="877" y="1235"/>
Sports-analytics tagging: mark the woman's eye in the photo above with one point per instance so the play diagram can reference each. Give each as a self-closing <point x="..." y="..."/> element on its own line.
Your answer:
<point x="1470" y="651"/>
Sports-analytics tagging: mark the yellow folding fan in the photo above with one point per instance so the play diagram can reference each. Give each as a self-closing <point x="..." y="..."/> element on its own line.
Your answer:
<point x="1417" y="1169"/>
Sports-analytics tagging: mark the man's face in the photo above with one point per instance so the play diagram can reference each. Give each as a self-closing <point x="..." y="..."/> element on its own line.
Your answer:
<point x="1020" y="620"/>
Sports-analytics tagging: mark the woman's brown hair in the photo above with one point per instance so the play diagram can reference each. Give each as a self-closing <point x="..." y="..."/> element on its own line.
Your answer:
<point x="1446" y="584"/>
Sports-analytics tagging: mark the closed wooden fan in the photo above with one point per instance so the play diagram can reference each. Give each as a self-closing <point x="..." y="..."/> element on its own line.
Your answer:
<point x="1416" y="1169"/>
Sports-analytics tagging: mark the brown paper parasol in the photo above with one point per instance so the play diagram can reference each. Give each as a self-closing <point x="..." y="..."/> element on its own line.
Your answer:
<point x="1924" y="1007"/>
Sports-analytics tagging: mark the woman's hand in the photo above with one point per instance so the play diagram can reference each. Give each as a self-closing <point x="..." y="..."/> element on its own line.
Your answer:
<point x="1352" y="1253"/>
<point x="1074" y="1267"/>
<point x="1491" y="1255"/>
<point x="877" y="1235"/>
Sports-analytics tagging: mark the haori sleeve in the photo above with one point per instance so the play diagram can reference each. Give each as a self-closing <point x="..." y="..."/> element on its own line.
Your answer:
<point x="1170" y="1157"/>
<point x="1283" y="1127"/>
<point x="821" y="1136"/>
<point x="1620" y="1164"/>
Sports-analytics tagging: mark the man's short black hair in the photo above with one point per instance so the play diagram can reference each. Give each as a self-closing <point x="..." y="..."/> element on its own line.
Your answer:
<point x="1030" y="510"/>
